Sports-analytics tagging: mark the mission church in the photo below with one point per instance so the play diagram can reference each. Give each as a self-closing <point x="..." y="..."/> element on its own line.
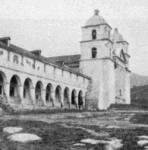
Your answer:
<point x="95" y="79"/>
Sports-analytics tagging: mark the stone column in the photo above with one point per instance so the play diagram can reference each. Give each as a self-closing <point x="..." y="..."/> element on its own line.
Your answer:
<point x="76" y="99"/>
<point x="83" y="99"/>
<point x="33" y="95"/>
<point x="43" y="96"/>
<point x="7" y="92"/>
<point x="62" y="98"/>
<point x="53" y="96"/>
<point x="69" y="99"/>
<point x="21" y="99"/>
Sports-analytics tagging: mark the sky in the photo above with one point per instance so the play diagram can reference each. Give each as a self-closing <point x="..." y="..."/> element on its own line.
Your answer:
<point x="54" y="26"/>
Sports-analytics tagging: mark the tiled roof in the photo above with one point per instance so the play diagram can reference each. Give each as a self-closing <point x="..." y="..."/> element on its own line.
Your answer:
<point x="45" y="60"/>
<point x="67" y="59"/>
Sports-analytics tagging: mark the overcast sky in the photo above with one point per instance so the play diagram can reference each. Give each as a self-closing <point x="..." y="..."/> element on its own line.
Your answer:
<point x="55" y="25"/>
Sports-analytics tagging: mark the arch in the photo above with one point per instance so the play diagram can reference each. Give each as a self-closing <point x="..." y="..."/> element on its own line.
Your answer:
<point x="38" y="93"/>
<point x="27" y="90"/>
<point x="66" y="96"/>
<point x="3" y="81"/>
<point x="94" y="52"/>
<point x="94" y="34"/>
<point x="14" y="91"/>
<point x="48" y="97"/>
<point x="80" y="99"/>
<point x="73" y="97"/>
<point x="58" y="91"/>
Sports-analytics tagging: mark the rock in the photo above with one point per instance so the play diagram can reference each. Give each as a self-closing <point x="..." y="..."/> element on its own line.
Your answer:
<point x="12" y="130"/>
<point x="112" y="127"/>
<point x="24" y="137"/>
<point x="110" y="144"/>
<point x="115" y="143"/>
<point x="142" y="142"/>
<point x="80" y="116"/>
<point x="78" y="144"/>
<point x="94" y="142"/>
<point x="90" y="141"/>
<point x="143" y="137"/>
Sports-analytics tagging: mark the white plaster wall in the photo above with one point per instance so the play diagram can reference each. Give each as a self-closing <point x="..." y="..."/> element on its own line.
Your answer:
<point x="103" y="31"/>
<point x="108" y="81"/>
<point x="127" y="88"/>
<point x="103" y="50"/>
<point x="121" y="85"/>
<point x="24" y="69"/>
<point x="102" y="92"/>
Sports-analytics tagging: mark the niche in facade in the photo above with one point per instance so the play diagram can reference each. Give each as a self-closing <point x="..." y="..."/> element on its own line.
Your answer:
<point x="15" y="59"/>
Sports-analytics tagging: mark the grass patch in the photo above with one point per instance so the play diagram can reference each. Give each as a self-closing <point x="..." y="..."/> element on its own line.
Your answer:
<point x="128" y="136"/>
<point x="139" y="118"/>
<point x="54" y="136"/>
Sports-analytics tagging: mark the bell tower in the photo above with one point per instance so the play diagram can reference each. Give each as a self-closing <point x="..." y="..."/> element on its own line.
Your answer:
<point x="96" y="61"/>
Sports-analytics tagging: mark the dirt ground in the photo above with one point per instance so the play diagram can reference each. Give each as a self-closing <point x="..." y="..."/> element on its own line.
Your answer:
<point x="65" y="131"/>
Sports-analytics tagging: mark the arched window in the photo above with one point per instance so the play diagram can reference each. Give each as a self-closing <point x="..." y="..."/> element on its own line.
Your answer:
<point x="94" y="34"/>
<point x="94" y="52"/>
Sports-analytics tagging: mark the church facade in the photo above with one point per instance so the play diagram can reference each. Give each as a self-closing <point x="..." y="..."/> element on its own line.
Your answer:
<point x="95" y="79"/>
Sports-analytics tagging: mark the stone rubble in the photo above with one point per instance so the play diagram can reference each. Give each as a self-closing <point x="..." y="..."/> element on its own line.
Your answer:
<point x="24" y="137"/>
<point x="143" y="140"/>
<point x="12" y="130"/>
<point x="111" y="144"/>
<point x="78" y="144"/>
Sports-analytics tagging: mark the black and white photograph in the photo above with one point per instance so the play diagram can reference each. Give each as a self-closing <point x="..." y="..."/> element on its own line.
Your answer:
<point x="73" y="74"/>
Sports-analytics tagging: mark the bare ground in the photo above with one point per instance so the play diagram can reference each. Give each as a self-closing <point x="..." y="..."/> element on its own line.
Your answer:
<point x="63" y="130"/>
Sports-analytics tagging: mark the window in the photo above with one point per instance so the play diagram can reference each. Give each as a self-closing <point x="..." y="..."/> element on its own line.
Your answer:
<point x="94" y="34"/>
<point x="94" y="52"/>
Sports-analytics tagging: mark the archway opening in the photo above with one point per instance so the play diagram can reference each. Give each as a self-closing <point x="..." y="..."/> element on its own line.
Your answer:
<point x="66" y="96"/>
<point x="73" y="97"/>
<point x="48" y="97"/>
<point x="58" y="94"/>
<point x="27" y="91"/>
<point x="38" y="93"/>
<point x="14" y="89"/>
<point x="2" y="83"/>
<point x="80" y="99"/>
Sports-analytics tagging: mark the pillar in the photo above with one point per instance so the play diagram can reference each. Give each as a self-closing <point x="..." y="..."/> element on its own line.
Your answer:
<point x="127" y="88"/>
<point x="21" y="90"/>
<point x="33" y="95"/>
<point x="76" y="99"/>
<point x="7" y="91"/>
<point x="83" y="99"/>
<point x="69" y="99"/>
<point x="53" y="96"/>
<point x="62" y="97"/>
<point x="43" y="96"/>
